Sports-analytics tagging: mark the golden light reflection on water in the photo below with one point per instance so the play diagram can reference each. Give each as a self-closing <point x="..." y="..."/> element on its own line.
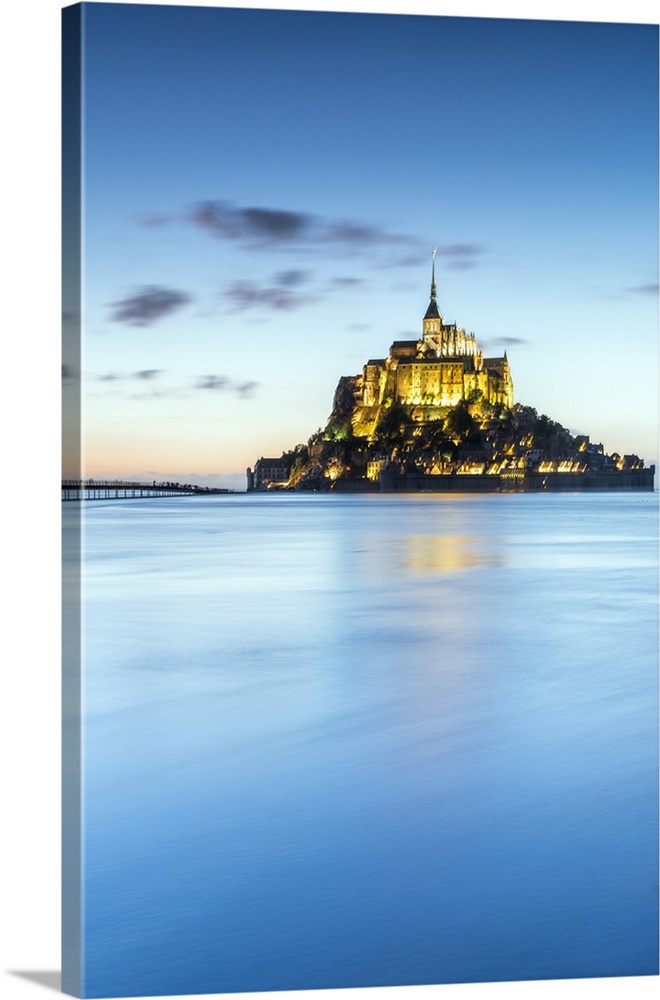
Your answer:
<point x="449" y="554"/>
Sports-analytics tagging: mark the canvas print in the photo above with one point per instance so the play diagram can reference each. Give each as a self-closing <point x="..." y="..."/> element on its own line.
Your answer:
<point x="359" y="506"/>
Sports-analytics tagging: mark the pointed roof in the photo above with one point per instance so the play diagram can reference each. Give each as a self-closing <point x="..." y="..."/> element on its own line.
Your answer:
<point x="433" y="312"/>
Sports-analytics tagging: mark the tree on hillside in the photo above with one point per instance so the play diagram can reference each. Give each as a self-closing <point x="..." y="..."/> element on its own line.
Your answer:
<point x="459" y="424"/>
<point x="339" y="428"/>
<point x="392" y="424"/>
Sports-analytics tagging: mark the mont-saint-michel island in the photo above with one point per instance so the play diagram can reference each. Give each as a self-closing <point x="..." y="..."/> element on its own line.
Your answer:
<point x="435" y="415"/>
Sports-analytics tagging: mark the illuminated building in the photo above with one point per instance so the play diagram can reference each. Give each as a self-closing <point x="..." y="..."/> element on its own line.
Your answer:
<point x="440" y="370"/>
<point x="436" y="415"/>
<point x="269" y="473"/>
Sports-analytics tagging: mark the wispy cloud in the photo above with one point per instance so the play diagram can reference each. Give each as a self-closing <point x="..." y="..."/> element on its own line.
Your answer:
<point x="166" y="393"/>
<point x="504" y="342"/>
<point x="242" y="295"/>
<point x="460" y="256"/>
<point x="355" y="233"/>
<point x="259" y="227"/>
<point x="344" y="283"/>
<point x="453" y="256"/>
<point x="227" y="221"/>
<point x="148" y="305"/>
<point x="146" y="374"/>
<point x="284" y="293"/>
<point x="291" y="279"/>
<point x="217" y="383"/>
<point x="153" y="220"/>
<point x="212" y="382"/>
<point x="149" y="377"/>
<point x="246" y="389"/>
<point x="650" y="288"/>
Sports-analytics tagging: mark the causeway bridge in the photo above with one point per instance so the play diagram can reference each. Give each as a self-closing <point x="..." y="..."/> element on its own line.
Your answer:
<point x="119" y="489"/>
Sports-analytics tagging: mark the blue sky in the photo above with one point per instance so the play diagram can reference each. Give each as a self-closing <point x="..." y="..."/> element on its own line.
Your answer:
<point x="264" y="189"/>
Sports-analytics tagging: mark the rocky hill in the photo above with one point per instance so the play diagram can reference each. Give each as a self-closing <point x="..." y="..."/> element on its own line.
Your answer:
<point x="474" y="438"/>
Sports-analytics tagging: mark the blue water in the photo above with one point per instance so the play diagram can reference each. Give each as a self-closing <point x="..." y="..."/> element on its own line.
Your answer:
<point x="340" y="741"/>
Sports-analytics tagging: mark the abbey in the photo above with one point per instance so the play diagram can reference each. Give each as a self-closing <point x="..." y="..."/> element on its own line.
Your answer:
<point x="436" y="415"/>
<point x="440" y="370"/>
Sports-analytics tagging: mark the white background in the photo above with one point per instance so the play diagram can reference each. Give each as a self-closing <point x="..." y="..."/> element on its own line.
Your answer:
<point x="29" y="395"/>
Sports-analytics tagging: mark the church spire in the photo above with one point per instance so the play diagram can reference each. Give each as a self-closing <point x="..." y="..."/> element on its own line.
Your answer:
<point x="433" y="311"/>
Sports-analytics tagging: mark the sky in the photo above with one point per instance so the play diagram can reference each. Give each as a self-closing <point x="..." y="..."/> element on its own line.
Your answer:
<point x="263" y="191"/>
